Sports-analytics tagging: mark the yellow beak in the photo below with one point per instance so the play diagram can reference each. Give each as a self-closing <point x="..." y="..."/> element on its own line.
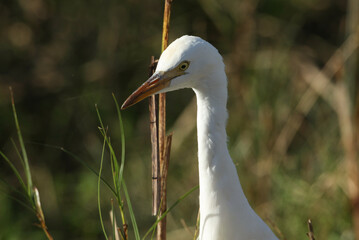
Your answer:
<point x="155" y="83"/>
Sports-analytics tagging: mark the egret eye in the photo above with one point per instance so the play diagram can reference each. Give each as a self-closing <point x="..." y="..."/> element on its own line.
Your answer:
<point x="183" y="65"/>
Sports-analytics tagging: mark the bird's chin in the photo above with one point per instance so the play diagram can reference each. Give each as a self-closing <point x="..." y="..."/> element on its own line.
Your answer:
<point x="176" y="84"/>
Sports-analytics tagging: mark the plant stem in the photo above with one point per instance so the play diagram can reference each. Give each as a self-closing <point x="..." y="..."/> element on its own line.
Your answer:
<point x="23" y="150"/>
<point x="162" y="139"/>
<point x="156" y="180"/>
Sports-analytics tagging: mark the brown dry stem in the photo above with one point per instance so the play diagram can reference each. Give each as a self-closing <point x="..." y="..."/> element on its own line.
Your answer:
<point x="310" y="232"/>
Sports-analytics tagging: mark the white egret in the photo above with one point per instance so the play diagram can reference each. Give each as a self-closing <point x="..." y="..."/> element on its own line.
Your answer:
<point x="191" y="62"/>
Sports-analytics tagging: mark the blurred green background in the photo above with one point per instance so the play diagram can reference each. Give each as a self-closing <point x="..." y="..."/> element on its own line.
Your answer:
<point x="63" y="57"/>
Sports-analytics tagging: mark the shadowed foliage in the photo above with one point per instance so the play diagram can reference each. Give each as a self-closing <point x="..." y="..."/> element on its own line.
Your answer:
<point x="285" y="135"/>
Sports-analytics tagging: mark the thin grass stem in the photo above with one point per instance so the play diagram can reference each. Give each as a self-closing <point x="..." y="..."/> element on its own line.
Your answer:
<point x="180" y="199"/>
<point x="18" y="153"/>
<point x="23" y="150"/>
<point x="130" y="209"/>
<point x="116" y="167"/>
<point x="98" y="190"/>
<point x="86" y="165"/>
<point x="195" y="236"/>
<point x="18" y="201"/>
<point x="14" y="189"/>
<point x="123" y="143"/>
<point x="16" y="172"/>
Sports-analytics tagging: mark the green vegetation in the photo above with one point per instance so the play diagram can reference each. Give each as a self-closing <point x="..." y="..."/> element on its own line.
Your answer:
<point x="285" y="129"/>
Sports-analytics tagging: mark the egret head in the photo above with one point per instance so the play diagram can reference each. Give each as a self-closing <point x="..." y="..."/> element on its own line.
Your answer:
<point x="184" y="64"/>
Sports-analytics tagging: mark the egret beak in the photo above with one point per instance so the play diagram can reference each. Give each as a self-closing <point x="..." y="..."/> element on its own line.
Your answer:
<point x="157" y="82"/>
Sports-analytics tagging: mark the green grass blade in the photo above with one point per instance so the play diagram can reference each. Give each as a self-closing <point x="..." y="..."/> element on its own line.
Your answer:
<point x="116" y="167"/>
<point x="113" y="160"/>
<point x="123" y="143"/>
<point x="118" y="171"/>
<point x="169" y="209"/>
<point x="98" y="191"/>
<point x="86" y="165"/>
<point x="116" y="182"/>
<point x="18" y="153"/>
<point x="153" y="232"/>
<point x="22" y="146"/>
<point x="113" y="171"/>
<point x="195" y="236"/>
<point x="16" y="172"/>
<point x="114" y="225"/>
<point x="22" y="203"/>
<point x="132" y="215"/>
<point x="157" y="214"/>
<point x="78" y="159"/>
<point x="14" y="189"/>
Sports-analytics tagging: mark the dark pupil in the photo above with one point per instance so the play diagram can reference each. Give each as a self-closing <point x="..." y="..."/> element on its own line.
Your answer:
<point x="183" y="66"/>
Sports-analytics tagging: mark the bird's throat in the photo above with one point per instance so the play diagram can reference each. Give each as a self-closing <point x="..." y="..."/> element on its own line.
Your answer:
<point x="211" y="127"/>
<point x="224" y="210"/>
<point x="217" y="174"/>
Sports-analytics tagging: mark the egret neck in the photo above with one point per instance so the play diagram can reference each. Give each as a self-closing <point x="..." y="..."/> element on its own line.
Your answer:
<point x="222" y="200"/>
<point x="191" y="62"/>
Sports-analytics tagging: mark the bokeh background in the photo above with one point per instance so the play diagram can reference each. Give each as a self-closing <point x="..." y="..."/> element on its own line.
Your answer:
<point x="285" y="133"/>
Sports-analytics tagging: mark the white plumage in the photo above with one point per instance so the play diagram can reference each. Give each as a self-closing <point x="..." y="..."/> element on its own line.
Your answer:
<point x="191" y="62"/>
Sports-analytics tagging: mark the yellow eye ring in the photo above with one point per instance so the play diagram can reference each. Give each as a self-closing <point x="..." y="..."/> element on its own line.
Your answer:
<point x="183" y="65"/>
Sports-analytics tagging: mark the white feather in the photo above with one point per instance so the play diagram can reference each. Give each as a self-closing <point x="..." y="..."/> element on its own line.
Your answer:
<point x="224" y="210"/>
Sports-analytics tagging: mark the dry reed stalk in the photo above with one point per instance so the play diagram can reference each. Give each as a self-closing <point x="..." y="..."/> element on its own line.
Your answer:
<point x="351" y="25"/>
<point x="162" y="139"/>
<point x="156" y="178"/>
<point x="161" y="230"/>
<point x="337" y="95"/>
<point x="185" y="227"/>
<point x="339" y="98"/>
<point x="316" y="88"/>
<point x="310" y="232"/>
<point x="350" y="134"/>
<point x="161" y="227"/>
<point x="348" y="139"/>
<point x="40" y="215"/>
<point x="160" y="143"/>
